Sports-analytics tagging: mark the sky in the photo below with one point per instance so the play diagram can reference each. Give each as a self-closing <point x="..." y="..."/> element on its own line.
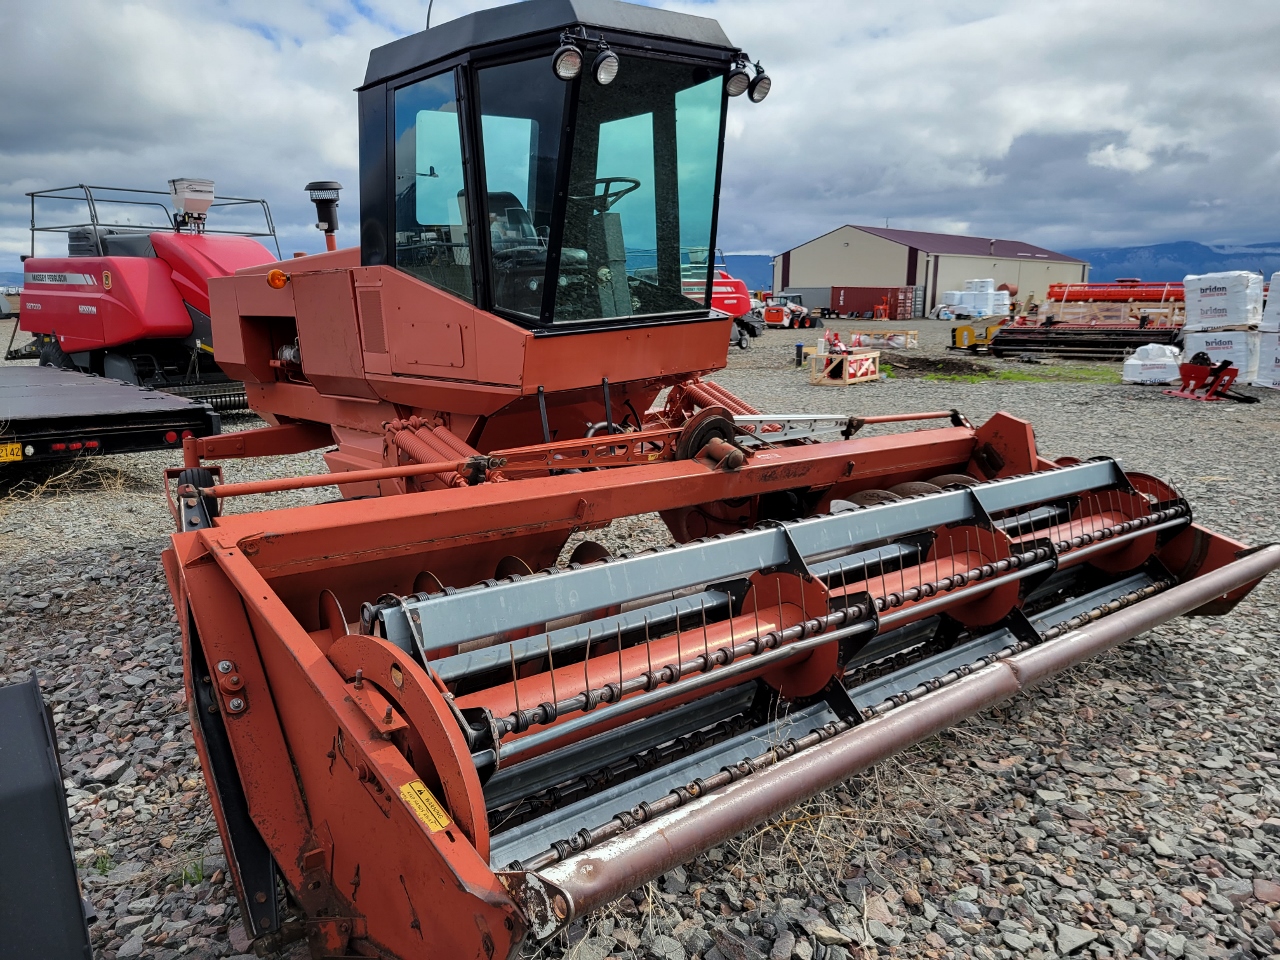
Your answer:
<point x="1072" y="123"/>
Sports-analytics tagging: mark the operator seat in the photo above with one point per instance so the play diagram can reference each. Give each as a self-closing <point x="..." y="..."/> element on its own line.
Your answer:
<point x="520" y="254"/>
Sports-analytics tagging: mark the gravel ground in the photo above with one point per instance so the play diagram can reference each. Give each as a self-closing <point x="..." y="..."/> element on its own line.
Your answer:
<point x="1129" y="808"/>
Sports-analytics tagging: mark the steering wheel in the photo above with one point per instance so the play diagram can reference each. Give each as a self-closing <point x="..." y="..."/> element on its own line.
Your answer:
<point x="601" y="202"/>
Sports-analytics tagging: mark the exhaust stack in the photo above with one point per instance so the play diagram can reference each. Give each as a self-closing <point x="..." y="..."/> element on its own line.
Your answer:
<point x="324" y="194"/>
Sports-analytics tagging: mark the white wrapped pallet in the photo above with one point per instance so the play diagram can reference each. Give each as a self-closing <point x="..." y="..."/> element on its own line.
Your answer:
<point x="1241" y="347"/>
<point x="976" y="303"/>
<point x="1268" y="360"/>
<point x="1271" y="314"/>
<point x="1149" y="371"/>
<point x="1152" y="363"/>
<point x="1216" y="301"/>
<point x="951" y="298"/>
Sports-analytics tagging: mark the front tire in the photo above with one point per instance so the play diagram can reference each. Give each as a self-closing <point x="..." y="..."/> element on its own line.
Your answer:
<point x="51" y="355"/>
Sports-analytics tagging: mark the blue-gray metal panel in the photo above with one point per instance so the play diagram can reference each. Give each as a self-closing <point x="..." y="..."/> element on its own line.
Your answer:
<point x="659" y="616"/>
<point x="890" y="557"/>
<point x="1016" y="492"/>
<point x="487" y="609"/>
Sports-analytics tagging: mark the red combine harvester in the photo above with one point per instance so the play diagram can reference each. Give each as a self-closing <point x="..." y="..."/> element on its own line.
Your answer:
<point x="426" y="731"/>
<point x="130" y="299"/>
<point x="1098" y="321"/>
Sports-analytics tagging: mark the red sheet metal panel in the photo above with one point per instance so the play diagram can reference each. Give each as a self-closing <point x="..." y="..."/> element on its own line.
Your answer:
<point x="97" y="302"/>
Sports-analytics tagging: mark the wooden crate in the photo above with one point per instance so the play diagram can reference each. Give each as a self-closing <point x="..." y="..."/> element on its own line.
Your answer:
<point x="842" y="369"/>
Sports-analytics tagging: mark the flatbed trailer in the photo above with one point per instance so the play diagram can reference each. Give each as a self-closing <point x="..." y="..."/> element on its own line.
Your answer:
<point x="50" y="414"/>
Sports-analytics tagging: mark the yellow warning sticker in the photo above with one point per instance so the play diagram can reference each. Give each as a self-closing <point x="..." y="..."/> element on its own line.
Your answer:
<point x="426" y="806"/>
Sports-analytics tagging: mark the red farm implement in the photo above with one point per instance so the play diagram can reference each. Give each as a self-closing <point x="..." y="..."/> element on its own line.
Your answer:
<point x="428" y="727"/>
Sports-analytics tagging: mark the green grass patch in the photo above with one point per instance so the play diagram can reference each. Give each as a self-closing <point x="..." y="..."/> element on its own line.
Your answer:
<point x="887" y="370"/>
<point x="191" y="871"/>
<point x="1041" y="375"/>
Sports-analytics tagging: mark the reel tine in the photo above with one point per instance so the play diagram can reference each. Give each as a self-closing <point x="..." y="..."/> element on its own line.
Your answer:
<point x="648" y="653"/>
<point x="706" y="651"/>
<point x="551" y="671"/>
<point x="515" y="678"/>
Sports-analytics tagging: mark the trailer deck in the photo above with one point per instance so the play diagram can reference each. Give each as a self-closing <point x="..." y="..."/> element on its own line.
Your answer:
<point x="50" y="414"/>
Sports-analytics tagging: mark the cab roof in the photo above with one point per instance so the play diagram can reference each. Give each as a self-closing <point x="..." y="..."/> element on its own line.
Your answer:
<point x="513" y="22"/>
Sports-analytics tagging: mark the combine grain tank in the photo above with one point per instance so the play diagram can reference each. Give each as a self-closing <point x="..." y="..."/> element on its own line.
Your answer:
<point x="428" y="729"/>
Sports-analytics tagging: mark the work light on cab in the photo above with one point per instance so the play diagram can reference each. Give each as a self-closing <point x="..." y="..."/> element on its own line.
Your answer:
<point x="759" y="86"/>
<point x="605" y="69"/>
<point x="567" y="61"/>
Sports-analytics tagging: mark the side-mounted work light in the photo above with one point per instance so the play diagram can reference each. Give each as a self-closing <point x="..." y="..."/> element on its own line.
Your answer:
<point x="739" y="81"/>
<point x="759" y="86"/>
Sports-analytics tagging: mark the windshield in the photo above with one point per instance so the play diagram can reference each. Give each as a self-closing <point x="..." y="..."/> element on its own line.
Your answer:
<point x="632" y="232"/>
<point x="595" y="202"/>
<point x="641" y="193"/>
<point x="522" y="108"/>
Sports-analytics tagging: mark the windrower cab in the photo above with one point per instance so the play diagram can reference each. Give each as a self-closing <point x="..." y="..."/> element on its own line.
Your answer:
<point x="538" y="201"/>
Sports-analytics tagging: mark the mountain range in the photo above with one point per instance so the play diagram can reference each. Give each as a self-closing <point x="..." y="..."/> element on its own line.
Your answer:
<point x="1161" y="262"/>
<point x="1156" y="262"/>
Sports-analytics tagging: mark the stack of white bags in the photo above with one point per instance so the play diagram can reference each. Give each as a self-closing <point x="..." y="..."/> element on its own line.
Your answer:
<point x="979" y="298"/>
<point x="1268" y="374"/>
<point x="1224" y="320"/>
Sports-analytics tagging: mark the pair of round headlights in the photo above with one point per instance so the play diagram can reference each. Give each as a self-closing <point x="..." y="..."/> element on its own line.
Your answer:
<point x="739" y="82"/>
<point x="568" y="59"/>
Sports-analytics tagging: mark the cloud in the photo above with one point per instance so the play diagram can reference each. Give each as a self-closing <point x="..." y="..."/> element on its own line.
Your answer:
<point x="258" y="97"/>
<point x="1044" y="121"/>
<point x="1120" y="158"/>
<point x="1048" y="122"/>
